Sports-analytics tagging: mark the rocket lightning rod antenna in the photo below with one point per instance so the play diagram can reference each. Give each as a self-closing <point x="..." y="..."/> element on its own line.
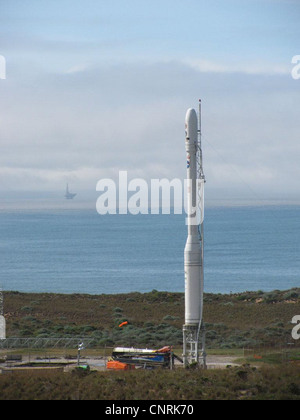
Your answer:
<point x="201" y="172"/>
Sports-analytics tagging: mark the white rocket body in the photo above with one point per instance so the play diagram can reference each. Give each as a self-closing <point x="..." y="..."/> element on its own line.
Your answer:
<point x="2" y="328"/>
<point x="193" y="253"/>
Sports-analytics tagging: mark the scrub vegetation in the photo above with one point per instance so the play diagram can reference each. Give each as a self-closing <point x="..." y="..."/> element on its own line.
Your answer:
<point x="239" y="383"/>
<point x="243" y="320"/>
<point x="252" y="320"/>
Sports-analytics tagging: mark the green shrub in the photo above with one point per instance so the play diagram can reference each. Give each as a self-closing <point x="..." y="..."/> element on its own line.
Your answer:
<point x="170" y="318"/>
<point x="27" y="309"/>
<point x="117" y="309"/>
<point x="292" y="294"/>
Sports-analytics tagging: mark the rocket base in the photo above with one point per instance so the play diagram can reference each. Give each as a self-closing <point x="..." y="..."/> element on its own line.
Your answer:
<point x="2" y="328"/>
<point x="194" y="345"/>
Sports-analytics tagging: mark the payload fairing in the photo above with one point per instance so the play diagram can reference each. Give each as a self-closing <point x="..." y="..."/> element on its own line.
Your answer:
<point x="193" y="329"/>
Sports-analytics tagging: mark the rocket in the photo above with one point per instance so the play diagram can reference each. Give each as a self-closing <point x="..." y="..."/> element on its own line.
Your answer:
<point x="192" y="252"/>
<point x="193" y="329"/>
<point x="2" y="319"/>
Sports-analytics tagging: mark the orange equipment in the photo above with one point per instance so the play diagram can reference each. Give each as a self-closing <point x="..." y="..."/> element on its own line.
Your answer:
<point x="115" y="365"/>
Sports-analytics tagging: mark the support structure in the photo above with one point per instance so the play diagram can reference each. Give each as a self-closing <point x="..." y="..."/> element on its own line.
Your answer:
<point x="194" y="345"/>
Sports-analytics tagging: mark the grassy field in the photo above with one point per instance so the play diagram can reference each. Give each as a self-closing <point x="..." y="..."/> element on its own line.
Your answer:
<point x="246" y="382"/>
<point x="246" y="320"/>
<point x="254" y="327"/>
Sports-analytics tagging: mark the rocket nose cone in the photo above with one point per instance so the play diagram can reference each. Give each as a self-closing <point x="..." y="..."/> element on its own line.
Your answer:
<point x="191" y="116"/>
<point x="191" y="123"/>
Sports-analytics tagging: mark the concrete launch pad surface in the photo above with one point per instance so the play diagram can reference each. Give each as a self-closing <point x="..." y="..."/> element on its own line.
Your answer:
<point x="95" y="363"/>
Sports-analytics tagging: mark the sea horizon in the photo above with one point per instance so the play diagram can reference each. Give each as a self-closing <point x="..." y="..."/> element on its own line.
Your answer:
<point x="57" y="203"/>
<point x="247" y="248"/>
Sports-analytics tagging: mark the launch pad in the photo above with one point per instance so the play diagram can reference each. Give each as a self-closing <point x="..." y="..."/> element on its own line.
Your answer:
<point x="194" y="346"/>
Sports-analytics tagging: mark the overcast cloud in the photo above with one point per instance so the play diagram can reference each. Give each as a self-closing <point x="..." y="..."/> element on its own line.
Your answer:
<point x="80" y="105"/>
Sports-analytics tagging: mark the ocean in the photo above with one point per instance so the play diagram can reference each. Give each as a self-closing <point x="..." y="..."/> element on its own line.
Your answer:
<point x="79" y="251"/>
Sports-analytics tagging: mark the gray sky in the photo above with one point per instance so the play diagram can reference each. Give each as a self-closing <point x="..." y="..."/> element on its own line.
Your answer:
<point x="95" y="87"/>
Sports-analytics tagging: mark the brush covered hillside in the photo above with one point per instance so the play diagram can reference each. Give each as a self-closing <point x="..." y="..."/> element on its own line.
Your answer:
<point x="240" y="383"/>
<point x="250" y="319"/>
